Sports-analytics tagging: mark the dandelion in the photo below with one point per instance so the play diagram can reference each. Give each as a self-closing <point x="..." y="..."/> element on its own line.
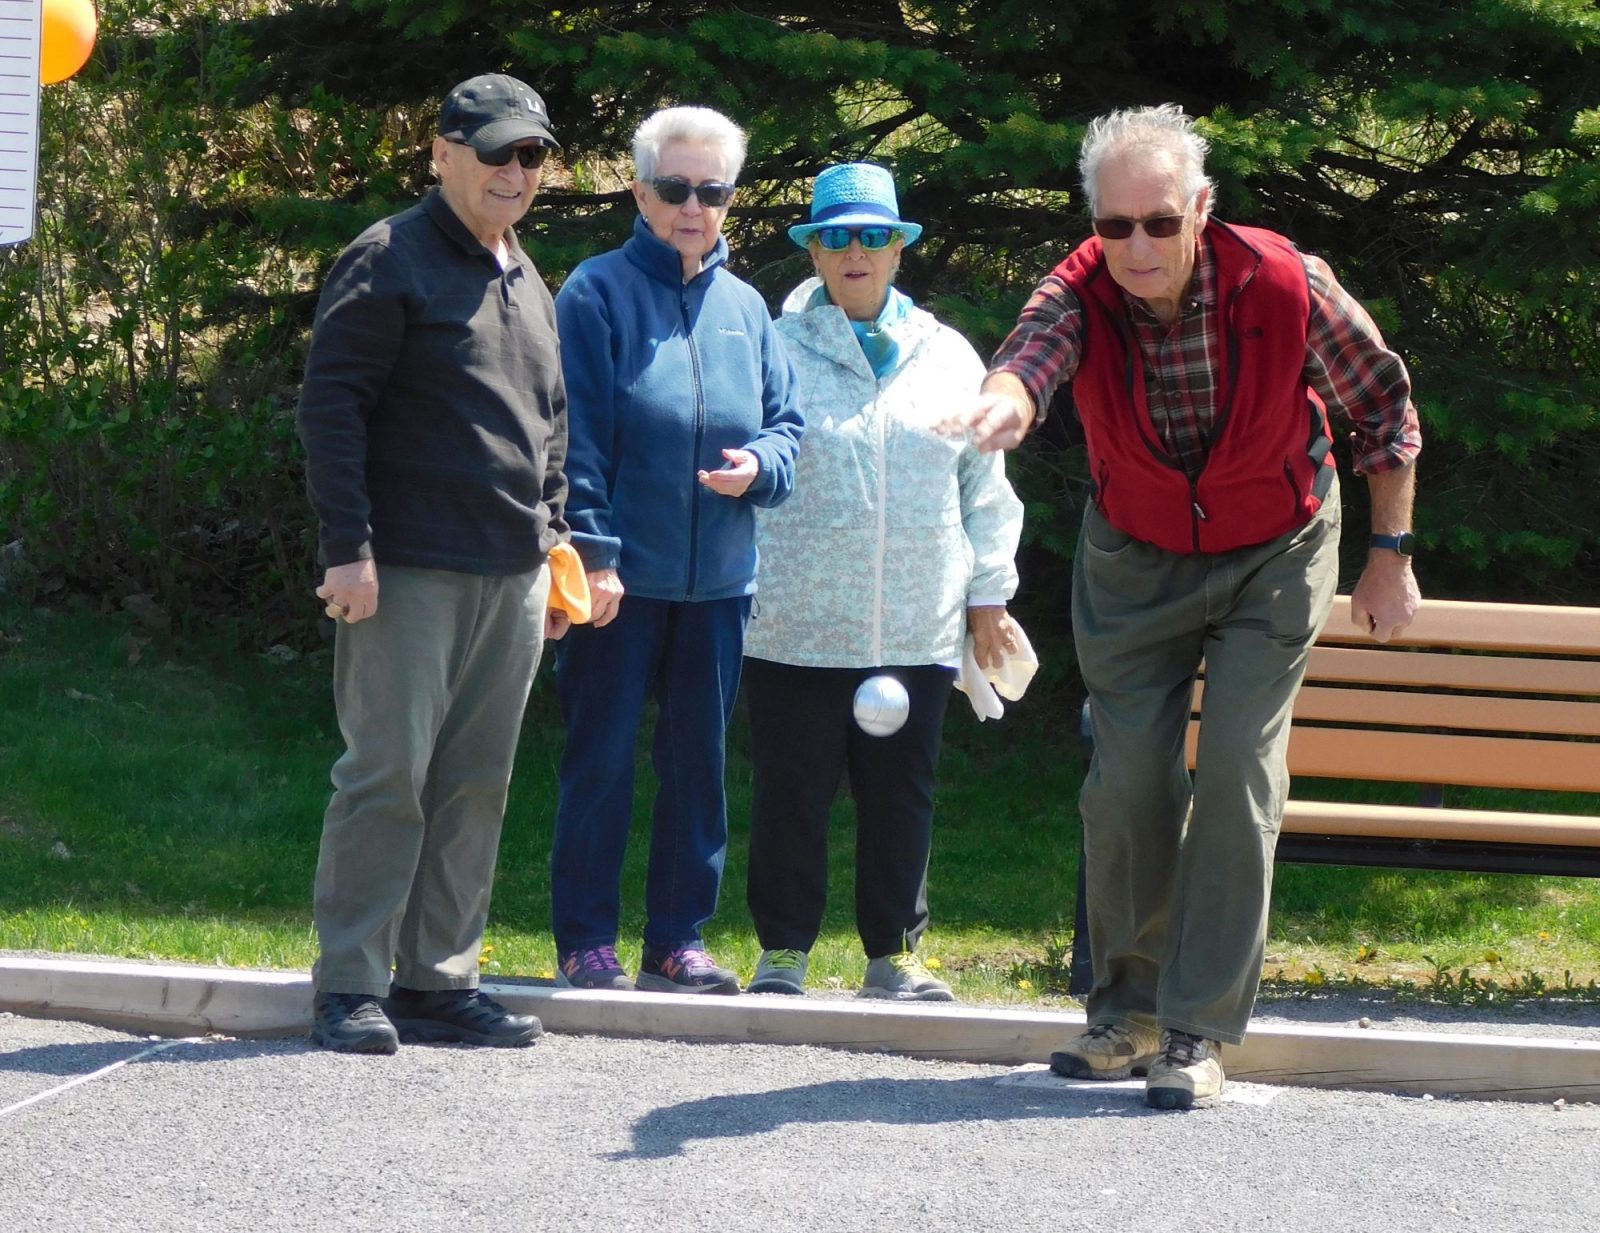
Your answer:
<point x="1491" y="957"/>
<point x="1024" y="985"/>
<point x="1543" y="936"/>
<point x="933" y="963"/>
<point x="1315" y="977"/>
<point x="547" y="974"/>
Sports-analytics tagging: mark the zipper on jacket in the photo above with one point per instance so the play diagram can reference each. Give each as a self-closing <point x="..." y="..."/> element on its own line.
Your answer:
<point x="1297" y="499"/>
<point x="883" y="535"/>
<point x="1196" y="509"/>
<point x="699" y="440"/>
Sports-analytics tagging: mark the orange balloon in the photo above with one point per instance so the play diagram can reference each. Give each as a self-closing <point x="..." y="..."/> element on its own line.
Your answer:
<point x="66" y="37"/>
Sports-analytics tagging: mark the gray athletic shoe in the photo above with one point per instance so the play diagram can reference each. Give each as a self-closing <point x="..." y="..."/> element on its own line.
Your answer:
<point x="903" y="978"/>
<point x="780" y="971"/>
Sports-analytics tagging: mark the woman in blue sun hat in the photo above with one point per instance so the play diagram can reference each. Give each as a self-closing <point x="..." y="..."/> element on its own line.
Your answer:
<point x="895" y="544"/>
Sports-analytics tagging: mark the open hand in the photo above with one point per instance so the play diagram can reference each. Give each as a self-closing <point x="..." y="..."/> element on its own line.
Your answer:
<point x="733" y="479"/>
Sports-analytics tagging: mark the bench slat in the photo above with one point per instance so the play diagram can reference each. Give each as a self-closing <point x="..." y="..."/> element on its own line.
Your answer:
<point x="1452" y="855"/>
<point x="1393" y="709"/>
<point x="1506" y="627"/>
<point x="1425" y="757"/>
<point x="1422" y="757"/>
<point x="1419" y="822"/>
<point x="1508" y="674"/>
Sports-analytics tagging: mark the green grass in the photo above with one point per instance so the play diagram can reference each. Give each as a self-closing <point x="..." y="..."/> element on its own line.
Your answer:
<point x="170" y="808"/>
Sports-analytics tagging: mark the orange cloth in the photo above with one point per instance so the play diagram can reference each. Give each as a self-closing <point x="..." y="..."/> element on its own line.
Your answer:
<point x="569" y="583"/>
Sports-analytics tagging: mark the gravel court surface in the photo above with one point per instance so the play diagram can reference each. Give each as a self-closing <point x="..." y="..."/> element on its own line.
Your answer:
<point x="583" y="1133"/>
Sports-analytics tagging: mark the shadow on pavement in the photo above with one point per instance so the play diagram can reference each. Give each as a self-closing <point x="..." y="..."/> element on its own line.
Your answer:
<point x="908" y="1102"/>
<point x="71" y="1059"/>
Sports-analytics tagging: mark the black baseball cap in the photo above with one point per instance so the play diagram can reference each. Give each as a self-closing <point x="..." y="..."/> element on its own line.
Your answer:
<point x="492" y="111"/>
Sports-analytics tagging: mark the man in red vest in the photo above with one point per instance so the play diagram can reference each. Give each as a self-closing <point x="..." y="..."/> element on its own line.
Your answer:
<point x="1204" y="360"/>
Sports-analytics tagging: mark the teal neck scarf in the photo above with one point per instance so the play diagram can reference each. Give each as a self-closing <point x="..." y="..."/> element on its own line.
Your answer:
<point x="875" y="336"/>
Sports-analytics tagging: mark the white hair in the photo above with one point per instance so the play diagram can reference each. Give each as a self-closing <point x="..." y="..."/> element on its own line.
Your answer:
<point x="697" y="124"/>
<point x="1163" y="128"/>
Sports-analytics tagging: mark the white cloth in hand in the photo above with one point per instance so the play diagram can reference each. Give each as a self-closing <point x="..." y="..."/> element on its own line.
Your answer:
<point x="985" y="687"/>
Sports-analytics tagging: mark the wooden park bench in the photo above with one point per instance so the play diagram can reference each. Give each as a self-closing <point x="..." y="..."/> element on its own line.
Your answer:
<point x="1485" y="696"/>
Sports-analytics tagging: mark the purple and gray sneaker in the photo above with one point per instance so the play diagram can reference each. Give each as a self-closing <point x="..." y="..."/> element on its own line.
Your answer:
<point x="684" y="969"/>
<point x="593" y="967"/>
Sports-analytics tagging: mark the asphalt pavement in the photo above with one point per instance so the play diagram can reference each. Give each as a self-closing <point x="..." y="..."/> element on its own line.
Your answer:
<point x="106" y="1130"/>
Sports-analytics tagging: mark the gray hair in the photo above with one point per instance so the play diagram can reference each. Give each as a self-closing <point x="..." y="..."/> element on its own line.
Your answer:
<point x="1162" y="128"/>
<point x="697" y="124"/>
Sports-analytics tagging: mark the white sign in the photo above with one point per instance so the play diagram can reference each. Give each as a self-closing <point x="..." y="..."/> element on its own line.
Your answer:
<point x="19" y="117"/>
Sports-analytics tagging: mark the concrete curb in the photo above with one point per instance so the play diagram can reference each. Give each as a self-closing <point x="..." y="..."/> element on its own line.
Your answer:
<point x="180" y="999"/>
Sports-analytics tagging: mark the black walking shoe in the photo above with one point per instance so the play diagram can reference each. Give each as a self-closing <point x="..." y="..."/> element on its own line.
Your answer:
<point x="352" y="1023"/>
<point x="458" y="1016"/>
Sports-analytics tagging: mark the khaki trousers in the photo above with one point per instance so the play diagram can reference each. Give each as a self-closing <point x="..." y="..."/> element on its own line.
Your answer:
<point x="1179" y="868"/>
<point x="430" y="693"/>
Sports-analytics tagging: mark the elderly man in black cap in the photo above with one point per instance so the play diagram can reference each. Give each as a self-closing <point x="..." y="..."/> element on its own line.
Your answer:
<point x="434" y="422"/>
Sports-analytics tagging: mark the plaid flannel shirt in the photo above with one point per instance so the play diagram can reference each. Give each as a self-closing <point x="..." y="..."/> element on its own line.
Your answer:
<point x="1347" y="364"/>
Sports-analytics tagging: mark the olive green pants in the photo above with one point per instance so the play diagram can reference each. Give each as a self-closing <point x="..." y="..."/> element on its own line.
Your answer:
<point x="430" y="693"/>
<point x="1179" y="867"/>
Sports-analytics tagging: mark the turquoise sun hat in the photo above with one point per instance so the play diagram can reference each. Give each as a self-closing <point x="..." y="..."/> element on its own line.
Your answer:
<point x="854" y="195"/>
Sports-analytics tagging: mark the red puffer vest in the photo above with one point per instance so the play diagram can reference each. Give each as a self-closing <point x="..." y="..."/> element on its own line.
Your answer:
<point x="1269" y="461"/>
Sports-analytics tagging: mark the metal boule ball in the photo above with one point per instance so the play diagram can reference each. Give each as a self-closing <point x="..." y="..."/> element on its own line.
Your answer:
<point x="881" y="706"/>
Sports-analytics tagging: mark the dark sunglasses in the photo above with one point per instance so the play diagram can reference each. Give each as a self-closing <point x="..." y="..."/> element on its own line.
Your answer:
<point x="837" y="239"/>
<point x="675" y="191"/>
<point x="529" y="156"/>
<point x="1158" y="228"/>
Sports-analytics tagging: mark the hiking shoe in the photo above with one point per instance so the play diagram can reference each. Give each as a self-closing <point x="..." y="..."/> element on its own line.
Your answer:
<point x="903" y="978"/>
<point x="352" y="1023"/>
<point x="780" y="971"/>
<point x="1108" y="1051"/>
<point x="458" y="1016"/>
<point x="594" y="967"/>
<point x="1187" y="1075"/>
<point x="683" y="969"/>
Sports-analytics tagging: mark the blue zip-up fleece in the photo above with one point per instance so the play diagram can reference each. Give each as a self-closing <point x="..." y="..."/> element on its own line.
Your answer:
<point x="661" y="377"/>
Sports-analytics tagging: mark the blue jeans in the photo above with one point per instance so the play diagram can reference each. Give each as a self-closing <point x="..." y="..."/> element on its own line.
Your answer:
<point x="688" y="656"/>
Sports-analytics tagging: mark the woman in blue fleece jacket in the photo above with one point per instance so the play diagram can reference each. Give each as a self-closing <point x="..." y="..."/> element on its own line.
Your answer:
<point x="681" y="420"/>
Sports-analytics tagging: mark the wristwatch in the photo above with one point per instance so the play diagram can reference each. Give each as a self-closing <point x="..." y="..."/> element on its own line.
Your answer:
<point x="1405" y="543"/>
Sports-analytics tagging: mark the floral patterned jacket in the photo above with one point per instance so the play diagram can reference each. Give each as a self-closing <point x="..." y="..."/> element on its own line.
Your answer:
<point x="892" y="530"/>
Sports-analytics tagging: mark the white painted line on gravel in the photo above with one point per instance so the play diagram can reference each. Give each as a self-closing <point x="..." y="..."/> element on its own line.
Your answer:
<point x="99" y="1074"/>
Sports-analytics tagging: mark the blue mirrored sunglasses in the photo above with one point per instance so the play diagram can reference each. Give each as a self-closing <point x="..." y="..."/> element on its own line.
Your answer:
<point x="837" y="239"/>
